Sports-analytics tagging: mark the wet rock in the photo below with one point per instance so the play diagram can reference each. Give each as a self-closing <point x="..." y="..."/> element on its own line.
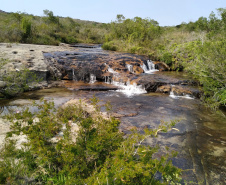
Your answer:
<point x="164" y="89"/>
<point x="81" y="64"/>
<point x="186" y="90"/>
<point x="80" y="45"/>
<point x="180" y="91"/>
<point x="137" y="70"/>
<point x="161" y="66"/>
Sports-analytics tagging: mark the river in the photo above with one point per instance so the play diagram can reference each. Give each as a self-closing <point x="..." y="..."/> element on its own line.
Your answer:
<point x="199" y="137"/>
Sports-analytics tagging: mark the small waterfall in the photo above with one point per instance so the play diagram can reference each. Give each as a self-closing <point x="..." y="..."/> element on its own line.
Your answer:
<point x="126" y="88"/>
<point x="151" y="65"/>
<point x="144" y="67"/>
<point x="73" y="75"/>
<point x="107" y="79"/>
<point x="110" y="70"/>
<point x="93" y="79"/>
<point x="130" y="89"/>
<point x="130" y="68"/>
<point x="150" y="68"/>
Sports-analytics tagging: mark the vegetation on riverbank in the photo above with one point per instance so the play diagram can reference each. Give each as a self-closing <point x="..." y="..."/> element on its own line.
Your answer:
<point x="49" y="29"/>
<point x="197" y="47"/>
<point x="13" y="83"/>
<point x="97" y="153"/>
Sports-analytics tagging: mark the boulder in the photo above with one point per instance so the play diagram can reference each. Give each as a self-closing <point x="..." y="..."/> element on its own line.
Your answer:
<point x="161" y="66"/>
<point x="164" y="89"/>
<point x="180" y="91"/>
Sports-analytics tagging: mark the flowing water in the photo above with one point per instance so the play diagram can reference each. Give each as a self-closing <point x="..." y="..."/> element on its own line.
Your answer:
<point x="199" y="137"/>
<point x="149" y="68"/>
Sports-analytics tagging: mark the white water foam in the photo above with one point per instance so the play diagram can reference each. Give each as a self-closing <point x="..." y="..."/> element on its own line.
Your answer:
<point x="172" y="95"/>
<point x="93" y="79"/>
<point x="128" y="89"/>
<point x="110" y="70"/>
<point x="130" y="68"/>
<point x="107" y="79"/>
<point x="73" y="75"/>
<point x="150" y="68"/>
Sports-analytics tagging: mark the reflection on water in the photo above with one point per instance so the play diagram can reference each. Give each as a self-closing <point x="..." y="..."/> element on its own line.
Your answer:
<point x="200" y="138"/>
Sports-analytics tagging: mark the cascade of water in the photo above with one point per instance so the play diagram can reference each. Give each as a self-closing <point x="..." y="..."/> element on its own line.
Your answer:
<point x="73" y="75"/>
<point x="151" y="65"/>
<point x="130" y="68"/>
<point x="130" y="89"/>
<point x="92" y="78"/>
<point x="144" y="67"/>
<point x="107" y="79"/>
<point x="110" y="70"/>
<point x="126" y="88"/>
<point x="150" y="68"/>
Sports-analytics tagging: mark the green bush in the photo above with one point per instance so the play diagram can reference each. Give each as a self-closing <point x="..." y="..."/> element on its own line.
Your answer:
<point x="109" y="46"/>
<point x="167" y="58"/>
<point x="100" y="154"/>
<point x="16" y="82"/>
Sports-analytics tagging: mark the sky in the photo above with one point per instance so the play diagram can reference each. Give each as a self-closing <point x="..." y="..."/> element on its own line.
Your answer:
<point x="166" y="12"/>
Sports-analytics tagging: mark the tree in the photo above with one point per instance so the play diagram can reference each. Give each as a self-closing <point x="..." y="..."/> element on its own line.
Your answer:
<point x="51" y="18"/>
<point x="120" y="18"/>
<point x="26" y="27"/>
<point x="18" y="16"/>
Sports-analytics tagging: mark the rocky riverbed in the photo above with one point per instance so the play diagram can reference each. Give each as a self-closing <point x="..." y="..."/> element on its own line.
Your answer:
<point x="89" y="63"/>
<point x="84" y="70"/>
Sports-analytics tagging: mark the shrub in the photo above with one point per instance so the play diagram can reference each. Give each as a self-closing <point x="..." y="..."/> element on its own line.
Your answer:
<point x="16" y="81"/>
<point x="109" y="46"/>
<point x="167" y="58"/>
<point x="100" y="154"/>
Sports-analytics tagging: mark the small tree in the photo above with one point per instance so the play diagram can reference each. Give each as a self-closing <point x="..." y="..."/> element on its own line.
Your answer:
<point x="26" y="27"/>
<point x="51" y="18"/>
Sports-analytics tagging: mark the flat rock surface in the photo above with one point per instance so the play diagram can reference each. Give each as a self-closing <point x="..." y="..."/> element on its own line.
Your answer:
<point x="29" y="55"/>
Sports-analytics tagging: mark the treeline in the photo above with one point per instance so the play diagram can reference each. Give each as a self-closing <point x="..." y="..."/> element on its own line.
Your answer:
<point x="49" y="29"/>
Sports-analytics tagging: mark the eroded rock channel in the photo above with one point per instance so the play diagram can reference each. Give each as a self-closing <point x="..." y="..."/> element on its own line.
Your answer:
<point x="123" y="70"/>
